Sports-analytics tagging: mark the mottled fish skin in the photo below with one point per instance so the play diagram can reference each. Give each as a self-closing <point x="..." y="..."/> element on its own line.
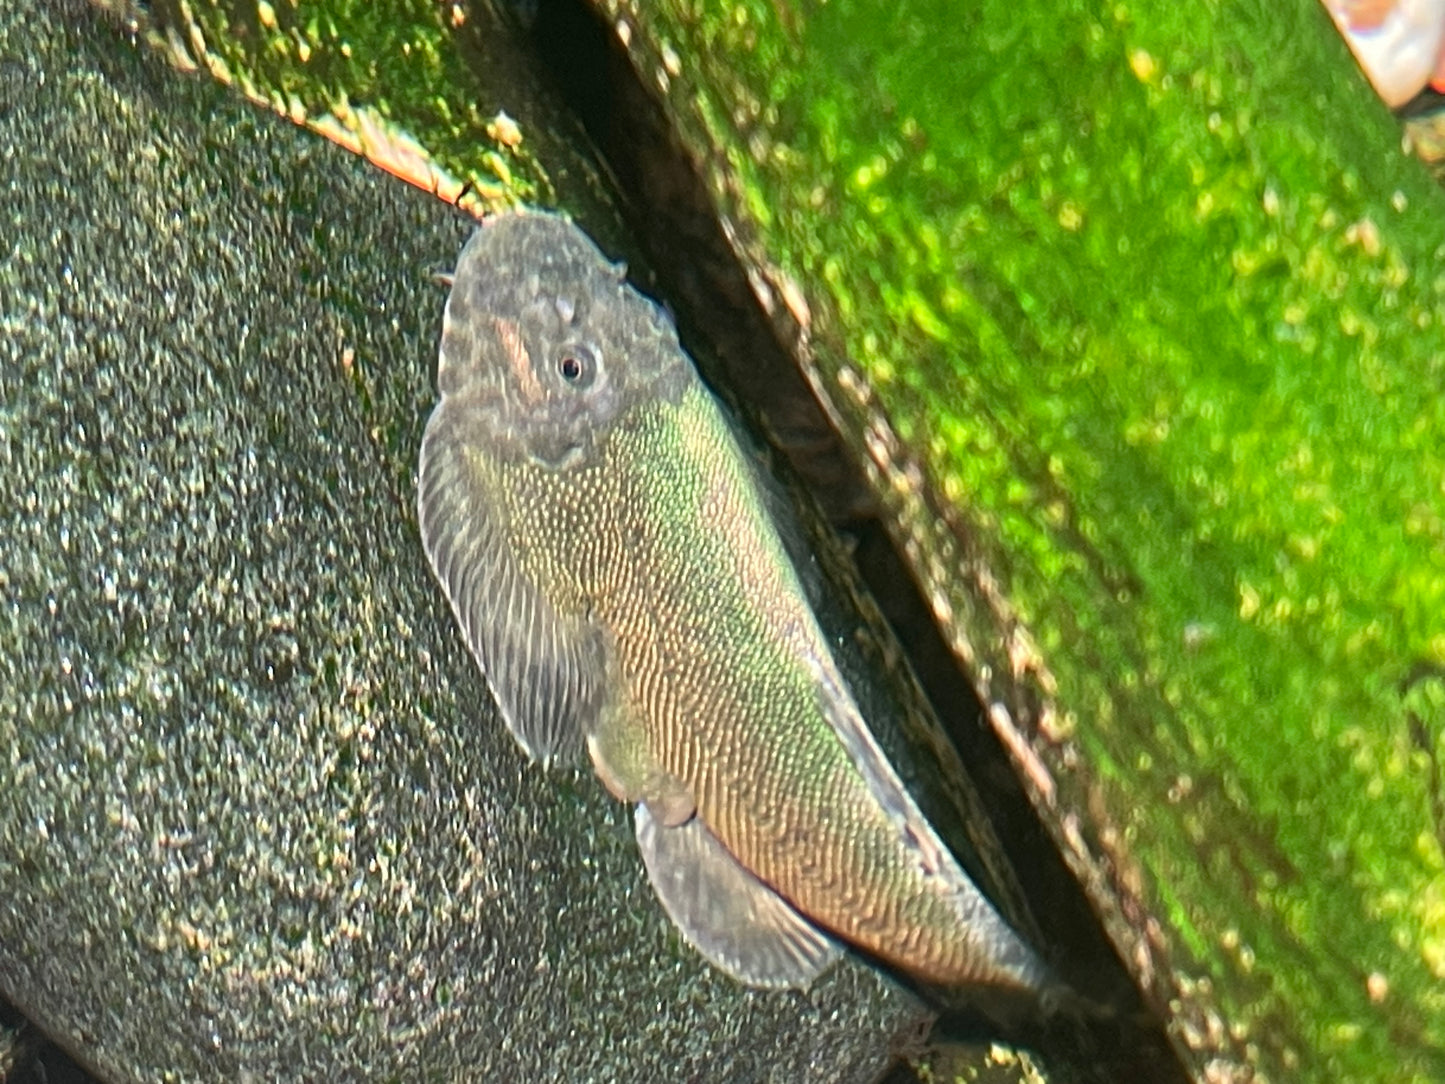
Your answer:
<point x="606" y="548"/>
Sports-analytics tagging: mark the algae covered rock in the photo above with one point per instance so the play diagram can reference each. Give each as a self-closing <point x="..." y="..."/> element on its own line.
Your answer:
<point x="1135" y="322"/>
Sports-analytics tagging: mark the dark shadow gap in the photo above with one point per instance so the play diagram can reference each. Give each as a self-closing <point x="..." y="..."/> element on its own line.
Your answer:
<point x="27" y="1057"/>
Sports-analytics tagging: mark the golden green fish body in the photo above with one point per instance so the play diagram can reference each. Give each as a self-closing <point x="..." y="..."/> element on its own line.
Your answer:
<point x="609" y="555"/>
<point x="726" y="675"/>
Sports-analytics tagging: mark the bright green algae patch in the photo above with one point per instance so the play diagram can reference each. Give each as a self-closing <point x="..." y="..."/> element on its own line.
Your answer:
<point x="1155" y="299"/>
<point x="397" y="81"/>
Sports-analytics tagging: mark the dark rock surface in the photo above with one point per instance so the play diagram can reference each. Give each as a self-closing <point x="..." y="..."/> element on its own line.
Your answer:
<point x="257" y="820"/>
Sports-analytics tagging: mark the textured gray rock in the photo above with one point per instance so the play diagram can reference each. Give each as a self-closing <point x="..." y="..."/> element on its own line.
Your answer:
<point x="257" y="819"/>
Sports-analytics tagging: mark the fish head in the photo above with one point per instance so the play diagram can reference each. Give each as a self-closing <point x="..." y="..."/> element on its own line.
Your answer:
<point x="548" y="344"/>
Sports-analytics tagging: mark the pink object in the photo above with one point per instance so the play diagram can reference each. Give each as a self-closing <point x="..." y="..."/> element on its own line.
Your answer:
<point x="1400" y="44"/>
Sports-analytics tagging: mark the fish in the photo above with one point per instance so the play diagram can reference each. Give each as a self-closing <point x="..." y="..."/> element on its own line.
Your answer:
<point x="605" y="544"/>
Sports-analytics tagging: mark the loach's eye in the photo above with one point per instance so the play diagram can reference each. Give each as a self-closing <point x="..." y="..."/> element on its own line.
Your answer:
<point x="577" y="365"/>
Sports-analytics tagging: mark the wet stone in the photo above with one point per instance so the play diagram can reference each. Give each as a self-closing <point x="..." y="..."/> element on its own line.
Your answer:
<point x="258" y="819"/>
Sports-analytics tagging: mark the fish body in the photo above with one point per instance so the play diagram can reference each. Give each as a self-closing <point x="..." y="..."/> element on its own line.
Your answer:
<point x="606" y="547"/>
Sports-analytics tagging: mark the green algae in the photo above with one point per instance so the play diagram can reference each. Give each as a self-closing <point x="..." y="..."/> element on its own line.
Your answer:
<point x="1137" y="316"/>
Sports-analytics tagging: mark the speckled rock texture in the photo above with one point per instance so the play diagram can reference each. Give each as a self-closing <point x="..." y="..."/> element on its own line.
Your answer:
<point x="257" y="818"/>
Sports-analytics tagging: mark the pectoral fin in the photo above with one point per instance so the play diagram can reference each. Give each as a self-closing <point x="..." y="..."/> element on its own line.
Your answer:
<point x="740" y="924"/>
<point x="619" y="750"/>
<point x="545" y="669"/>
